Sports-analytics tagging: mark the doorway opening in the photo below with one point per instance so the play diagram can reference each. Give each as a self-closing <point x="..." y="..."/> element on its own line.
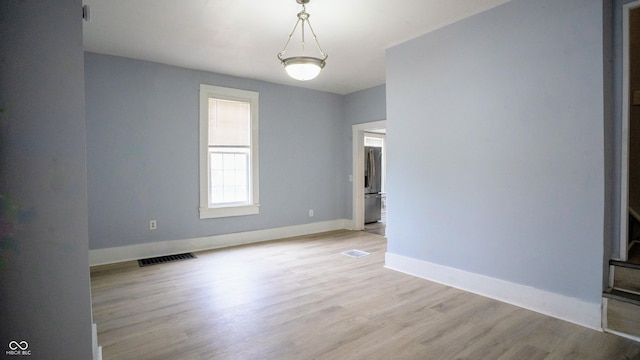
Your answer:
<point x="630" y="155"/>
<point x="358" y="169"/>
<point x="375" y="195"/>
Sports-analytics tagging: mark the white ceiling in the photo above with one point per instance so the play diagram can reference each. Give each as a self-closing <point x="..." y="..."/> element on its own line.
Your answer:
<point x="242" y="37"/>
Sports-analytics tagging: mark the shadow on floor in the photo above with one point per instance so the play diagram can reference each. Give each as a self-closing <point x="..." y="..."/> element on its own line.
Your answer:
<point x="634" y="253"/>
<point x="378" y="227"/>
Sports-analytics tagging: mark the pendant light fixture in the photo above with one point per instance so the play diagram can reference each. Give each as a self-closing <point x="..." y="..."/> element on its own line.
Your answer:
<point x="303" y="67"/>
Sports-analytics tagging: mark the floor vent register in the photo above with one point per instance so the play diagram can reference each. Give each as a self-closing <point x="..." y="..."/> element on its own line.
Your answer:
<point x="165" y="259"/>
<point x="355" y="253"/>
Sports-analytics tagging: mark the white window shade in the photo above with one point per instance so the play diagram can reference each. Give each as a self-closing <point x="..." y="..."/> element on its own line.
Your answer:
<point x="229" y="123"/>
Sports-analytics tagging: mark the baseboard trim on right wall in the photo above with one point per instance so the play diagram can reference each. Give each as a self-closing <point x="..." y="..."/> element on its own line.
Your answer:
<point x="548" y="303"/>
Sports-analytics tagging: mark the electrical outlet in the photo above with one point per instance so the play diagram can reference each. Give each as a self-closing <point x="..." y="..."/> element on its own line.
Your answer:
<point x="310" y="212"/>
<point x="153" y="225"/>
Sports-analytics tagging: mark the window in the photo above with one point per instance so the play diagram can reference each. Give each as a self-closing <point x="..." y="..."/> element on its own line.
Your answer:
<point x="228" y="152"/>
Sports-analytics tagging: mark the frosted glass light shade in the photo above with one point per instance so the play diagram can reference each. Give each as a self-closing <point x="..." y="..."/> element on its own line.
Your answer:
<point x="303" y="68"/>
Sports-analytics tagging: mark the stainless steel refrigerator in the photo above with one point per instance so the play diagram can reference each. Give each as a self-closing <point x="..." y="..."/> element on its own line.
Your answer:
<point x="372" y="184"/>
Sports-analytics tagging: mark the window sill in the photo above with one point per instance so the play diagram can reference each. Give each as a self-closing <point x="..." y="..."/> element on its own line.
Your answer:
<point x="210" y="213"/>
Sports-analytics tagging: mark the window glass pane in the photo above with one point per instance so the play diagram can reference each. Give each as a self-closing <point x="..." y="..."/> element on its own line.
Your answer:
<point x="229" y="123"/>
<point x="229" y="175"/>
<point x="229" y="194"/>
<point x="216" y="194"/>
<point x="240" y="193"/>
<point x="240" y="178"/>
<point x="216" y="160"/>
<point x="217" y="177"/>
<point x="241" y="162"/>
<point x="228" y="162"/>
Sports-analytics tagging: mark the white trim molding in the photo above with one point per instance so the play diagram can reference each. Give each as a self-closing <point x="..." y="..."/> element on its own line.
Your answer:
<point x="161" y="248"/>
<point x="548" y="303"/>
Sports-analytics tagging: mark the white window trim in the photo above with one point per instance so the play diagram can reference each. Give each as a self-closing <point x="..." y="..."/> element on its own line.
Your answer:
<point x="206" y="212"/>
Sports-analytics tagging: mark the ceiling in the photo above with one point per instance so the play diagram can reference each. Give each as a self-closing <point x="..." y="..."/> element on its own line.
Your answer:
<point x="242" y="37"/>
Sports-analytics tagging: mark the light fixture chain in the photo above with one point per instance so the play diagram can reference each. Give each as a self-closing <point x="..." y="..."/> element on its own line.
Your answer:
<point x="289" y="39"/>
<point x="303" y="21"/>
<point x="316" y="39"/>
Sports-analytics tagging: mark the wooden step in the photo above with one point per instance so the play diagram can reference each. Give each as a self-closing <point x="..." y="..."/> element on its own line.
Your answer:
<point x="623" y="296"/>
<point x="622" y="313"/>
<point x="624" y="264"/>
<point x="626" y="276"/>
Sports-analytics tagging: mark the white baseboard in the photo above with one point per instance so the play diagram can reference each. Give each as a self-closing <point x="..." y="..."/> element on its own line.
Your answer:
<point x="556" y="305"/>
<point x="141" y="251"/>
<point x="621" y="334"/>
<point x="97" y="350"/>
<point x="349" y="224"/>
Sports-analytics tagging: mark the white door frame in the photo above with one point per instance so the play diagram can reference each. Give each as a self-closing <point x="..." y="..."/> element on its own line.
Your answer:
<point x="357" y="203"/>
<point x="624" y="161"/>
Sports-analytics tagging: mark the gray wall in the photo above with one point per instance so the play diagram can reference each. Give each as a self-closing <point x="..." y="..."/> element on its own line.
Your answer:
<point x="142" y="134"/>
<point x="44" y="269"/>
<point x="496" y="130"/>
<point x="365" y="106"/>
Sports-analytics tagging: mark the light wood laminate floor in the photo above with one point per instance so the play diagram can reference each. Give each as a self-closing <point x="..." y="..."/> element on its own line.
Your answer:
<point x="301" y="299"/>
